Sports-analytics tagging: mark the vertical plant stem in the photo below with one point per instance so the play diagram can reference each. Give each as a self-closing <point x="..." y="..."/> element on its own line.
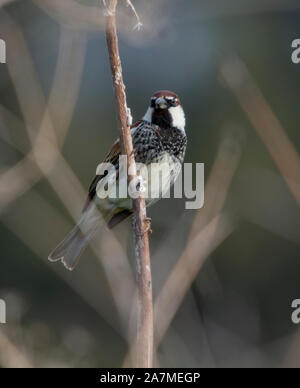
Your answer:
<point x="259" y="112"/>
<point x="144" y="341"/>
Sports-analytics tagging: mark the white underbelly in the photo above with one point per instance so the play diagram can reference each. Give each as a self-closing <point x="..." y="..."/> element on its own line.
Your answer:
<point x="158" y="178"/>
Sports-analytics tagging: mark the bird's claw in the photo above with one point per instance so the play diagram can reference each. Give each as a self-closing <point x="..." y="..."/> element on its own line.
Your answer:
<point x="133" y="153"/>
<point x="148" y="226"/>
<point x="129" y="117"/>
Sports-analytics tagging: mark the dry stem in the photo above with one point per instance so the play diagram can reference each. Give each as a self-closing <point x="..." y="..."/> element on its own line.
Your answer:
<point x="269" y="129"/>
<point x="144" y="343"/>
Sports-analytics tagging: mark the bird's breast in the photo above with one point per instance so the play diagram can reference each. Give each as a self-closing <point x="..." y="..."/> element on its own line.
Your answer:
<point x="152" y="143"/>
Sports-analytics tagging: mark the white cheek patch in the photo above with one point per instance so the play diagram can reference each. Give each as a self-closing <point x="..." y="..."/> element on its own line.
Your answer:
<point x="148" y="115"/>
<point x="178" y="117"/>
<point x="176" y="112"/>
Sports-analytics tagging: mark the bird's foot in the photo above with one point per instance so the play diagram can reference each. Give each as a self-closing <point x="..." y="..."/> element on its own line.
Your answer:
<point x="129" y="117"/>
<point x="148" y="225"/>
<point x="133" y="153"/>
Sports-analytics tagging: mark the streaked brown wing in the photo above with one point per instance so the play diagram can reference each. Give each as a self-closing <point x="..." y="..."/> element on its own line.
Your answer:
<point x="114" y="153"/>
<point x="111" y="157"/>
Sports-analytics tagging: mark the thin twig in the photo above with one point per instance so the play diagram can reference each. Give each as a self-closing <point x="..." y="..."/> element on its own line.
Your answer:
<point x="12" y="356"/>
<point x="144" y="343"/>
<point x="210" y="228"/>
<point x="186" y="270"/>
<point x="139" y="24"/>
<point x="265" y="122"/>
<point x="62" y="178"/>
<point x="42" y="134"/>
<point x="16" y="180"/>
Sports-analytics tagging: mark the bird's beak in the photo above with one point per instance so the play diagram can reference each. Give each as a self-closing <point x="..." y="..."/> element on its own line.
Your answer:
<point x="161" y="103"/>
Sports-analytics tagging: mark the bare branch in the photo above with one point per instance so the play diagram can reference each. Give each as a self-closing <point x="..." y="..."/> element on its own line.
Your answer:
<point x="210" y="228"/>
<point x="12" y="357"/>
<point x="144" y="342"/>
<point x="20" y="178"/>
<point x="42" y="134"/>
<point x="139" y="24"/>
<point x="269" y="129"/>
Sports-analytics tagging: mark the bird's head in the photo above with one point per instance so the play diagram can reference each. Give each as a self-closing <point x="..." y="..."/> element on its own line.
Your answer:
<point x="165" y="110"/>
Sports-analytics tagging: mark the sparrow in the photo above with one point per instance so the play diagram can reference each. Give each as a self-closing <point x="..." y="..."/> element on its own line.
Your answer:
<point x="159" y="139"/>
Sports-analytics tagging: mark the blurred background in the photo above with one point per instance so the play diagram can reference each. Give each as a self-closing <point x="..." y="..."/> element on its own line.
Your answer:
<point x="224" y="276"/>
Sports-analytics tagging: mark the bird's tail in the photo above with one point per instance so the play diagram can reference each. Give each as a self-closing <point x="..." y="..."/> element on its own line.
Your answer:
<point x="70" y="249"/>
